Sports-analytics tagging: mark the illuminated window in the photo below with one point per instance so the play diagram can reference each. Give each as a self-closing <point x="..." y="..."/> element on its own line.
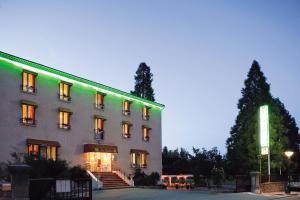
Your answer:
<point x="64" y="91"/>
<point x="99" y="126"/>
<point x="33" y="151"/>
<point x="126" y="107"/>
<point x="133" y="158"/>
<point x="146" y="113"/>
<point x="143" y="160"/>
<point x="36" y="151"/>
<point x="99" y="97"/>
<point x="64" y="120"/>
<point x="146" y="131"/>
<point x="28" y="114"/>
<point x="28" y="82"/>
<point x="138" y="159"/>
<point x="126" y="129"/>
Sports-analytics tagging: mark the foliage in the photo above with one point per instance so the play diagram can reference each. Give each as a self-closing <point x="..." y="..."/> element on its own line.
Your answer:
<point x="142" y="179"/>
<point x="77" y="172"/>
<point x="199" y="163"/>
<point x="43" y="168"/>
<point x="4" y="174"/>
<point x="217" y="176"/>
<point x="243" y="143"/>
<point x="143" y="83"/>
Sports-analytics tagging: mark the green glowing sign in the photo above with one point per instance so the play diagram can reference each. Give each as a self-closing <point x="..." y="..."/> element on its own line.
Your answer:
<point x="264" y="129"/>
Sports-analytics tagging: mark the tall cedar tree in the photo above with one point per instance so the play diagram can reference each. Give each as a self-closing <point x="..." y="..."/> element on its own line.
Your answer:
<point x="243" y="143"/>
<point x="143" y="83"/>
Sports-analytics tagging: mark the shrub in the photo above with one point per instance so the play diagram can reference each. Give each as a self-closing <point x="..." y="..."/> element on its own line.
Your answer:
<point x="142" y="179"/>
<point x="4" y="174"/>
<point x="77" y="172"/>
<point x="217" y="175"/>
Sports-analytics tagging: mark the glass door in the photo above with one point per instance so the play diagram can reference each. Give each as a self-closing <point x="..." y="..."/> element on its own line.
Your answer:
<point x="98" y="161"/>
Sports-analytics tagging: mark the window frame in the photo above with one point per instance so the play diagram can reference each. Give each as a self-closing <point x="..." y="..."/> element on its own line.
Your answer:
<point x="61" y="91"/>
<point x="146" y="136"/>
<point x="146" y="116"/>
<point x="100" y="130"/>
<point x="126" y="131"/>
<point x="25" y="120"/>
<point x="138" y="159"/>
<point x="37" y="154"/>
<point x="99" y="100"/>
<point x="61" y="120"/>
<point x="30" y="89"/>
<point x="126" y="111"/>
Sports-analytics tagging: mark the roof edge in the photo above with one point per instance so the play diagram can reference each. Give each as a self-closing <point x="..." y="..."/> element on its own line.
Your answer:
<point x="77" y="78"/>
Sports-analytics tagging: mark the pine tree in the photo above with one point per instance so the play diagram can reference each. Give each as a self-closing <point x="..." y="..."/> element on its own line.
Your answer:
<point x="143" y="83"/>
<point x="243" y="143"/>
<point x="292" y="133"/>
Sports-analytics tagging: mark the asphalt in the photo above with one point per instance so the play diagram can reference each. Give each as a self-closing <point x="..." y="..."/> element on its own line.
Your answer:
<point x="157" y="194"/>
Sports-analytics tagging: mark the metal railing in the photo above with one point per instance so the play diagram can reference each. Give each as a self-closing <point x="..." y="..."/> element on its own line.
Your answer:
<point x="60" y="189"/>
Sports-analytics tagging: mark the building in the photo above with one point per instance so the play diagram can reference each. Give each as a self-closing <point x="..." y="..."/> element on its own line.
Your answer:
<point x="48" y="113"/>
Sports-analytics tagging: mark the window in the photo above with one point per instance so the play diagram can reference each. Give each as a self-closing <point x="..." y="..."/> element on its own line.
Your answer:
<point x="99" y="127"/>
<point x="64" y="91"/>
<point x="28" y="82"/>
<point x="133" y="159"/>
<point x="146" y="131"/>
<point x="64" y="120"/>
<point x="99" y="100"/>
<point x="146" y="113"/>
<point x="126" y="107"/>
<point x="36" y="151"/>
<point x="33" y="151"/>
<point x="138" y="159"/>
<point x="143" y="160"/>
<point x="126" y="129"/>
<point x="28" y="113"/>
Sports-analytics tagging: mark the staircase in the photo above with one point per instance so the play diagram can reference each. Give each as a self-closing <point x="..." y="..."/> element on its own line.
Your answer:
<point x="111" y="180"/>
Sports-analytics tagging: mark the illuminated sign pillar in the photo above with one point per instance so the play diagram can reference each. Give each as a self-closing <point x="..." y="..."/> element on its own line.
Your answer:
<point x="264" y="134"/>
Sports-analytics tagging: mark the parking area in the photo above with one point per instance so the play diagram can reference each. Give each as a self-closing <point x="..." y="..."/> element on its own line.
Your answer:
<point x="155" y="194"/>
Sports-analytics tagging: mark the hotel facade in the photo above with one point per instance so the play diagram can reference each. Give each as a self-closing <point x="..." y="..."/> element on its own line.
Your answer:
<point x="47" y="113"/>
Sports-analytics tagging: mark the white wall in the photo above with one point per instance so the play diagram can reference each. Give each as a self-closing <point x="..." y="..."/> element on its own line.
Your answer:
<point x="14" y="135"/>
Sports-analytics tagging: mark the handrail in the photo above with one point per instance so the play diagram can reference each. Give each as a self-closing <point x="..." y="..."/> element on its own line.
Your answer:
<point x="123" y="176"/>
<point x="96" y="183"/>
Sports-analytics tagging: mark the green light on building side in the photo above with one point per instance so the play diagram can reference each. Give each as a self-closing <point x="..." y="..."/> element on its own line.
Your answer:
<point x="264" y="129"/>
<point x="42" y="69"/>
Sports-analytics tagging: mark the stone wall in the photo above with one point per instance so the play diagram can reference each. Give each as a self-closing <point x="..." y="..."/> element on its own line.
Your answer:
<point x="272" y="187"/>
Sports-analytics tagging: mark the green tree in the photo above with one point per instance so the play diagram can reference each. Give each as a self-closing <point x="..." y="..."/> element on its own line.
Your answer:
<point x="243" y="143"/>
<point x="292" y="133"/>
<point x="143" y="83"/>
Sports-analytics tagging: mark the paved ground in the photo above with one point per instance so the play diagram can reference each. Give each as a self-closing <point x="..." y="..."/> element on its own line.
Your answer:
<point x="155" y="194"/>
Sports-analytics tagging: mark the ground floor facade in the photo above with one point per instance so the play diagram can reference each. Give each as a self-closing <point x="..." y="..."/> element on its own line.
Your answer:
<point x="91" y="156"/>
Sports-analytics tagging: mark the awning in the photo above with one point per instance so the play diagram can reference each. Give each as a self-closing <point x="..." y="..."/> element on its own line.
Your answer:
<point x="65" y="110"/>
<point x="31" y="103"/>
<point x="103" y="94"/>
<point x="30" y="72"/>
<point x="100" y="148"/>
<point x="40" y="142"/>
<point x="146" y="126"/>
<point x="70" y="84"/>
<point x="138" y="151"/>
<point x="99" y="117"/>
<point x="126" y="122"/>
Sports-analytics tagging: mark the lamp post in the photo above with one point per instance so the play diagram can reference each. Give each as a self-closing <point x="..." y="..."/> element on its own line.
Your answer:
<point x="288" y="154"/>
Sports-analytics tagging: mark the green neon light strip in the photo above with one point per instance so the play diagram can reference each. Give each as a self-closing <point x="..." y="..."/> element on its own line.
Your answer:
<point x="38" y="68"/>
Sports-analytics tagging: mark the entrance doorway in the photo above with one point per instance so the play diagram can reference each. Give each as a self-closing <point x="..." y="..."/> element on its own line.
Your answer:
<point x="98" y="161"/>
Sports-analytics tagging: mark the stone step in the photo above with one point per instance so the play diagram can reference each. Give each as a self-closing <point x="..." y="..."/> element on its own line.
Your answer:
<point x="111" y="180"/>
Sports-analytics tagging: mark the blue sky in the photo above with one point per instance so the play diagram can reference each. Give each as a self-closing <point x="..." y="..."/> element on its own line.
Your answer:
<point x="199" y="52"/>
